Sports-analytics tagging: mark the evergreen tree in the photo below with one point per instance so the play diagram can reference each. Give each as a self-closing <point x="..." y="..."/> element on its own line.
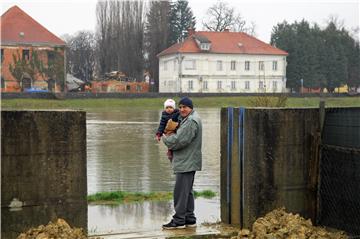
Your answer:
<point x="156" y="37"/>
<point x="326" y="58"/>
<point x="181" y="20"/>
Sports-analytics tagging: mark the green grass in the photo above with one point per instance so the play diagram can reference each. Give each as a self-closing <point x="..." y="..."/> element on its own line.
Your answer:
<point x="156" y="103"/>
<point x="126" y="197"/>
<point x="205" y="194"/>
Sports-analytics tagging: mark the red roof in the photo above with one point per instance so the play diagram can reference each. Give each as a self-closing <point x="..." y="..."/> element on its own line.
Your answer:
<point x="225" y="42"/>
<point x="17" y="27"/>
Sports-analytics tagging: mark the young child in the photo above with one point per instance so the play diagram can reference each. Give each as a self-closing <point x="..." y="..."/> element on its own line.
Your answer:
<point x="168" y="121"/>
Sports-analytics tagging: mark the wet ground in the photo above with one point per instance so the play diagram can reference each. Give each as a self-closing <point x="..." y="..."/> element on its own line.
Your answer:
<point x="146" y="216"/>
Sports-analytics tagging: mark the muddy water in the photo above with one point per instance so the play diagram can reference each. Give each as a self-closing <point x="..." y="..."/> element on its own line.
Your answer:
<point x="123" y="155"/>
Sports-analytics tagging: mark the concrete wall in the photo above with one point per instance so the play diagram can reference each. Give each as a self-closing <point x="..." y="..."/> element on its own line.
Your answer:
<point x="43" y="165"/>
<point x="307" y="160"/>
<point x="266" y="160"/>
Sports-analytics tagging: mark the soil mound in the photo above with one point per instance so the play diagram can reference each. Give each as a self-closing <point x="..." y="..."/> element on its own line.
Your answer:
<point x="58" y="230"/>
<point x="279" y="224"/>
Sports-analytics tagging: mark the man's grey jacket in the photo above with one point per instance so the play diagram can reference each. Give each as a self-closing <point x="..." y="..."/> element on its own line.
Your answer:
<point x="186" y="144"/>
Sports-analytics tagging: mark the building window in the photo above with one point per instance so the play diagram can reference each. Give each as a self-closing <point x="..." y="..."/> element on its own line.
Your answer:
<point x="138" y="87"/>
<point x="274" y="85"/>
<point x="127" y="87"/>
<point x="247" y="85"/>
<point x="219" y="66"/>
<point x="190" y="84"/>
<point x="274" y="65"/>
<point x="247" y="65"/>
<point x="26" y="55"/>
<point x="205" y="85"/>
<point x="233" y="65"/>
<point x="190" y="65"/>
<point x="165" y="65"/>
<point x="51" y="55"/>
<point x="233" y="85"/>
<point x="219" y="85"/>
<point x="261" y="85"/>
<point x="205" y="46"/>
<point x="2" y="55"/>
<point x="261" y="65"/>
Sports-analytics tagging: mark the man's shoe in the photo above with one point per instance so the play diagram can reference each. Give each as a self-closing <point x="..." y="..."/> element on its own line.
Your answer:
<point x="190" y="224"/>
<point x="172" y="225"/>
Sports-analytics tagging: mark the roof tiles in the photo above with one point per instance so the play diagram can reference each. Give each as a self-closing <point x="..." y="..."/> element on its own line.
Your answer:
<point x="17" y="27"/>
<point x="225" y="43"/>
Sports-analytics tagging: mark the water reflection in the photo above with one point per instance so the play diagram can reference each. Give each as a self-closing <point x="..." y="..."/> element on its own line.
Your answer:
<point x="147" y="216"/>
<point x="123" y="155"/>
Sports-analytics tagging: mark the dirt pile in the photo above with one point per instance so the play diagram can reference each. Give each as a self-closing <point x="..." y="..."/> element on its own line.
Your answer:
<point x="279" y="224"/>
<point x="58" y="230"/>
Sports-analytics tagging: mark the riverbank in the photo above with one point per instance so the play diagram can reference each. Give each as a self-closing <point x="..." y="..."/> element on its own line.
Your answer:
<point x="156" y="103"/>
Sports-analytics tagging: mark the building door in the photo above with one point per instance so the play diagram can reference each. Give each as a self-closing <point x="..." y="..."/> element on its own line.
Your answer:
<point x="25" y="83"/>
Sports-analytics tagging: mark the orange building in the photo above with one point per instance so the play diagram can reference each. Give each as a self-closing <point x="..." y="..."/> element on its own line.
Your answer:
<point x="31" y="56"/>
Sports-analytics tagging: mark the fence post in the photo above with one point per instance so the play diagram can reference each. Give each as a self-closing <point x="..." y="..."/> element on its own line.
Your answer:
<point x="225" y="151"/>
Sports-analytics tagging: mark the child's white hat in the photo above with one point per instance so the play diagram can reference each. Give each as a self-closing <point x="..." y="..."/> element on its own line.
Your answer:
<point x="169" y="102"/>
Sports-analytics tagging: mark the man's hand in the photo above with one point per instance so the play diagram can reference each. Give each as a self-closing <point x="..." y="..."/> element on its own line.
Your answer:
<point x="158" y="137"/>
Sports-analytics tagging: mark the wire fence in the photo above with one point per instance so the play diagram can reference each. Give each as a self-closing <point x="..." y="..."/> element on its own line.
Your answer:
<point x="339" y="194"/>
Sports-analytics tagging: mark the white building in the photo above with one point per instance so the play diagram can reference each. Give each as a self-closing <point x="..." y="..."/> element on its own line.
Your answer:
<point x="226" y="61"/>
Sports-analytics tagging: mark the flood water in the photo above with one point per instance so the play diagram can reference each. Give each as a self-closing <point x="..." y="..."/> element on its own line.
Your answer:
<point x="122" y="154"/>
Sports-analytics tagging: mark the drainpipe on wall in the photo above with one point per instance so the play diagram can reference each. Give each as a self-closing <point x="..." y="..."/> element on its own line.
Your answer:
<point x="65" y="75"/>
<point x="180" y="58"/>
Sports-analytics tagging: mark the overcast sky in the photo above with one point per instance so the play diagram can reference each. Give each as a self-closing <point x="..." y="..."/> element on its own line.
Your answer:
<point x="70" y="16"/>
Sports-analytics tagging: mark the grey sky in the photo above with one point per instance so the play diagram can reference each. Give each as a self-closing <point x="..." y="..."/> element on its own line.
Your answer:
<point x="70" y="16"/>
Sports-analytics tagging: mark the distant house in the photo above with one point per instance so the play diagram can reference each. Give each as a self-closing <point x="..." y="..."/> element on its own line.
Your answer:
<point x="31" y="56"/>
<point x="112" y="86"/>
<point x="226" y="61"/>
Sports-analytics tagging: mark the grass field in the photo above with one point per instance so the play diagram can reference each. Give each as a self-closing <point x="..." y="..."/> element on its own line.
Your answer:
<point x="157" y="103"/>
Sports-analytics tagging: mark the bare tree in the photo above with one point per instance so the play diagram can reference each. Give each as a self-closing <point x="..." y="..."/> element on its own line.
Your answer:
<point x="81" y="55"/>
<point x="120" y="36"/>
<point x="221" y="16"/>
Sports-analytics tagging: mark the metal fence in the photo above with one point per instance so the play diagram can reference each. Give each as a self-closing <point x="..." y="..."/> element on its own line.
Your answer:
<point x="339" y="185"/>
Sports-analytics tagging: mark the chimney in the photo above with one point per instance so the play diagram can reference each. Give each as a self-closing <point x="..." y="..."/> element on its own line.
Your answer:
<point x="191" y="31"/>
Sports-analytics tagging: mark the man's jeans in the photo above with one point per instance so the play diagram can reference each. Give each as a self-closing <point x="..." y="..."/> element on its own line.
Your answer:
<point x="184" y="198"/>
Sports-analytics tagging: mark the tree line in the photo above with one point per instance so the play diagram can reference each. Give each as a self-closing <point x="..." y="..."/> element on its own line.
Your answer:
<point x="130" y="34"/>
<point x="318" y="58"/>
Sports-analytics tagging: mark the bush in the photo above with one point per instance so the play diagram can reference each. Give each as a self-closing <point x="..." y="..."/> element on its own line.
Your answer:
<point x="268" y="101"/>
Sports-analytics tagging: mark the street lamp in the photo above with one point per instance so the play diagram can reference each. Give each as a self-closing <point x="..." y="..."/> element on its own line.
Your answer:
<point x="302" y="84"/>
